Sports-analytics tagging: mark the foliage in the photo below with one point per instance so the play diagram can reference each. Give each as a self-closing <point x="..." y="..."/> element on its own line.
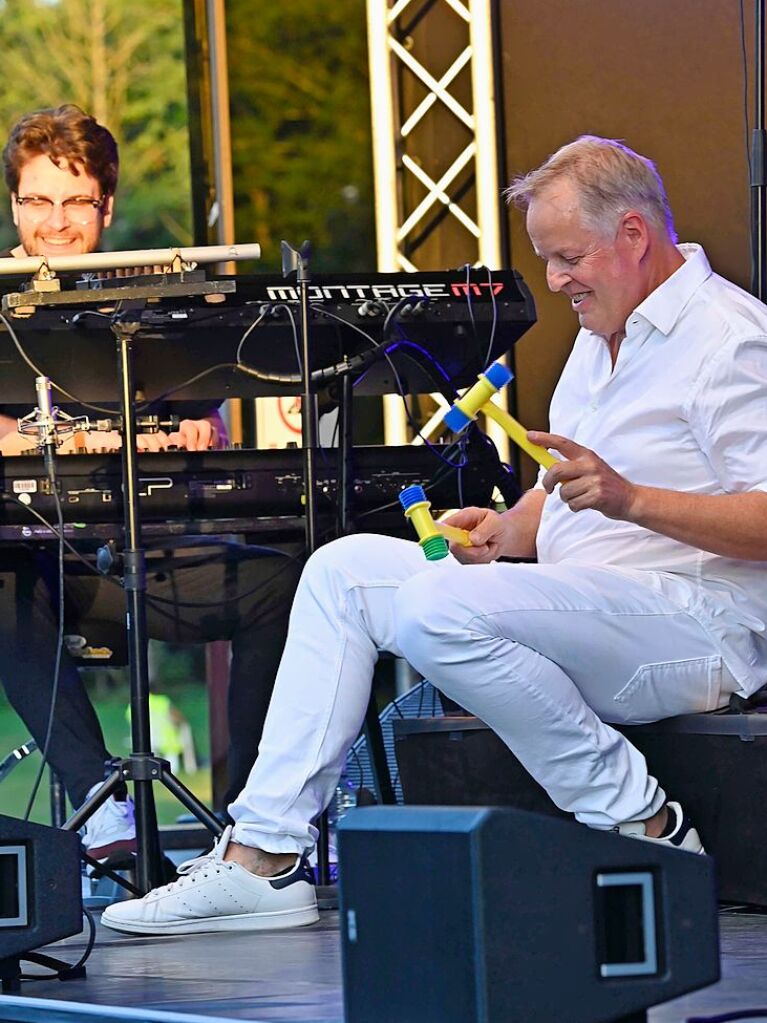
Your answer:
<point x="299" y="114"/>
<point x="191" y="699"/>
<point x="123" y="63"/>
<point x="301" y="129"/>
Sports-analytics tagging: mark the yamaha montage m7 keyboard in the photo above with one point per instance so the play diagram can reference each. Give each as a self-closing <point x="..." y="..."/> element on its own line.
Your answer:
<point x="413" y="332"/>
<point x="197" y="492"/>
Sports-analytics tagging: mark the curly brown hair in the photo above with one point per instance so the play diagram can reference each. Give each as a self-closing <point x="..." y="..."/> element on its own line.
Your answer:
<point x="68" y="136"/>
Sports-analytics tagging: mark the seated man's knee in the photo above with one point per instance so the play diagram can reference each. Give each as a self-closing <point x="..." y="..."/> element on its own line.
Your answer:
<point x="425" y="618"/>
<point x="357" y="555"/>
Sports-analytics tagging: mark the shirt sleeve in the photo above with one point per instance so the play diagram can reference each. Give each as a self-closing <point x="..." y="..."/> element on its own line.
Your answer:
<point x="729" y="415"/>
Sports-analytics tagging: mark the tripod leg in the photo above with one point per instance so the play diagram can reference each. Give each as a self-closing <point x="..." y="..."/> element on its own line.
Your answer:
<point x="190" y="801"/>
<point x="149" y="872"/>
<point x="58" y="800"/>
<point x="10" y="975"/>
<point x="89" y="807"/>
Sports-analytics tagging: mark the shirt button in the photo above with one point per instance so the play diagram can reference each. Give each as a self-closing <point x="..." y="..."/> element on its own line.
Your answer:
<point x="594" y="406"/>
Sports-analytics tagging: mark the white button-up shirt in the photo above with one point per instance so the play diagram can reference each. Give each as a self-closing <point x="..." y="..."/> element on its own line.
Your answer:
<point x="685" y="408"/>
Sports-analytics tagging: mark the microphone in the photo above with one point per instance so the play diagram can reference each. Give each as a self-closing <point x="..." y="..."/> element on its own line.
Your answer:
<point x="46" y="426"/>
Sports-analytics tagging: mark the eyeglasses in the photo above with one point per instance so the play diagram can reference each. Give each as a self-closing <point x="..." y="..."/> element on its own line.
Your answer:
<point x="79" y="209"/>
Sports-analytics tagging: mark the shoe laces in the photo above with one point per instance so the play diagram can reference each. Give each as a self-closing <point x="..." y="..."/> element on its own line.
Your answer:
<point x="196" y="869"/>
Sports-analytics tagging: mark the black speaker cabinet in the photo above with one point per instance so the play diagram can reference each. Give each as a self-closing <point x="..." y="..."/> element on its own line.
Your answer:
<point x="490" y="915"/>
<point x="40" y="891"/>
<point x="715" y="765"/>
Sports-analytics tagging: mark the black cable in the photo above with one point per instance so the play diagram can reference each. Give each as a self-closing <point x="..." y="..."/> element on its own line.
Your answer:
<point x="101" y="408"/>
<point x="91" y="940"/>
<point x="114" y="581"/>
<point x="259" y="319"/>
<point x="6" y="496"/>
<point x="470" y="304"/>
<point x="294" y="328"/>
<point x="360" y="768"/>
<point x="41" y="373"/>
<point x="235" y="598"/>
<point x="57" y="666"/>
<point x="395" y="310"/>
<point x="184" y="383"/>
<point x="67" y="970"/>
<point x="494" y="323"/>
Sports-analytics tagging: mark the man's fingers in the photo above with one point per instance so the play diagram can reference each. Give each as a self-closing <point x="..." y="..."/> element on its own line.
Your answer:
<point x="573" y="489"/>
<point x="152" y="441"/>
<point x="566" y="447"/>
<point x="195" y="434"/>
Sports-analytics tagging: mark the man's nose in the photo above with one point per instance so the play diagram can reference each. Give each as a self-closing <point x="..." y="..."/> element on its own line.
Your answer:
<point x="57" y="217"/>
<point x="556" y="279"/>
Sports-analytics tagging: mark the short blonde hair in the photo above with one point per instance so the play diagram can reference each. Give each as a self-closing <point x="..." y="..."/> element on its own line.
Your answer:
<point x="610" y="178"/>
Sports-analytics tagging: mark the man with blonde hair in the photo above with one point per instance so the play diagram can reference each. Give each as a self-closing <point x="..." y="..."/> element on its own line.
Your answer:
<point x="647" y="599"/>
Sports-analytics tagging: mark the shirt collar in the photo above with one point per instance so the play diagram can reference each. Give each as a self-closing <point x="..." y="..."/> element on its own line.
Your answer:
<point x="663" y="307"/>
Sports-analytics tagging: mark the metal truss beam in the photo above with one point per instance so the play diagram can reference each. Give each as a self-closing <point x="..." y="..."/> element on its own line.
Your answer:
<point x="435" y="142"/>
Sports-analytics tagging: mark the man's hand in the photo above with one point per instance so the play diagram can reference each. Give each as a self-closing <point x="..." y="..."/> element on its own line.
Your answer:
<point x="192" y="435"/>
<point x="586" y="481"/>
<point x="487" y="532"/>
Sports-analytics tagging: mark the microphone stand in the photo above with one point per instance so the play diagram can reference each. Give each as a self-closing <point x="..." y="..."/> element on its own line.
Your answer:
<point x="297" y="261"/>
<point x="758" y="167"/>
<point x="142" y="767"/>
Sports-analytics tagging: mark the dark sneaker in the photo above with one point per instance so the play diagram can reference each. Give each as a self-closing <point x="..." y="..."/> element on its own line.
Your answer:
<point x="680" y="832"/>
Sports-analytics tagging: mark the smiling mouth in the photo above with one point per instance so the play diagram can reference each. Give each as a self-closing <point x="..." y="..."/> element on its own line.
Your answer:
<point x="578" y="298"/>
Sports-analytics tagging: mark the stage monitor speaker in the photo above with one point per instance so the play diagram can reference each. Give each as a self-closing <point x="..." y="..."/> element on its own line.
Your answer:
<point x="495" y="915"/>
<point x="40" y="890"/>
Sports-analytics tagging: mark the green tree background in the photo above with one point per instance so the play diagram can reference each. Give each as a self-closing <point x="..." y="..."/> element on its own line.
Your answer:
<point x="302" y="161"/>
<point x="124" y="63"/>
<point x="299" y="112"/>
<point x="301" y="151"/>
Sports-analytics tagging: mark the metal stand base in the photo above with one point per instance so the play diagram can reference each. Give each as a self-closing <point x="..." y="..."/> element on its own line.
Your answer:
<point x="143" y="770"/>
<point x="10" y="970"/>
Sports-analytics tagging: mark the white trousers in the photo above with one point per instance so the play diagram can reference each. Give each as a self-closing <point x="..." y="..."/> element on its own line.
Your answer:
<point x="544" y="654"/>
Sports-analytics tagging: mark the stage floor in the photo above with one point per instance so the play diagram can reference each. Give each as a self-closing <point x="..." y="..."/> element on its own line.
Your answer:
<point x="292" y="976"/>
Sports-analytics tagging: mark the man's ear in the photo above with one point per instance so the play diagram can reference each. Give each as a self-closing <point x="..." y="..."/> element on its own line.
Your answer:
<point x="14" y="209"/>
<point x="634" y="230"/>
<point x="108" y="207"/>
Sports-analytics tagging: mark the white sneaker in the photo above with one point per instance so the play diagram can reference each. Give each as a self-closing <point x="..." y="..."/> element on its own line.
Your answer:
<point x="111" y="829"/>
<point x="214" y="895"/>
<point x="682" y="836"/>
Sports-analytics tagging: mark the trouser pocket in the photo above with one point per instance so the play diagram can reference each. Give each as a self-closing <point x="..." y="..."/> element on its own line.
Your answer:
<point x="668" y="688"/>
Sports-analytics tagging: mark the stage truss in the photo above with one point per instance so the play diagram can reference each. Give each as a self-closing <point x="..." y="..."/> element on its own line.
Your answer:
<point x="435" y="125"/>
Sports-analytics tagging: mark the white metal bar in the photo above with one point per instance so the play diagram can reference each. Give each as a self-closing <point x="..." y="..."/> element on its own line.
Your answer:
<point x="384" y="136"/>
<point x="429" y="100"/>
<point x="130" y="258"/>
<point x="395" y="421"/>
<point x="460" y="9"/>
<point x="486" y="134"/>
<point x="434" y="423"/>
<point x="489" y="210"/>
<point x="406" y="265"/>
<point x="222" y="135"/>
<point x="437" y="192"/>
<point x="397" y="9"/>
<point x="431" y="83"/>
